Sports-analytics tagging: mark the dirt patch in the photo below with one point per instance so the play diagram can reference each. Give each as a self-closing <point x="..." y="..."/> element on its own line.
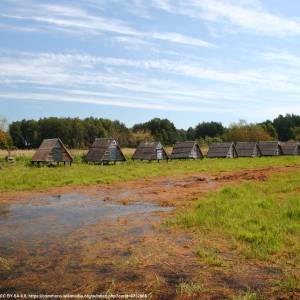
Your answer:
<point x="109" y="238"/>
<point x="172" y="191"/>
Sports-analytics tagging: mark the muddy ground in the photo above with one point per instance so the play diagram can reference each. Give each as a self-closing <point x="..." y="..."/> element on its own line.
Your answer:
<point x="113" y="239"/>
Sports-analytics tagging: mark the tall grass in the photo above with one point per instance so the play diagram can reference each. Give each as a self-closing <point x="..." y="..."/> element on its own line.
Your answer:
<point x="262" y="218"/>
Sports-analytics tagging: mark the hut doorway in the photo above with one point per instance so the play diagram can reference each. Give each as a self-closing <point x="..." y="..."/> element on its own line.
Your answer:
<point x="195" y="152"/>
<point x="113" y="153"/>
<point x="159" y="154"/>
<point x="57" y="153"/>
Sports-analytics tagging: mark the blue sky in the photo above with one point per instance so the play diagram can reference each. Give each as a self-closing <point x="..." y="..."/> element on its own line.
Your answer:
<point x="186" y="60"/>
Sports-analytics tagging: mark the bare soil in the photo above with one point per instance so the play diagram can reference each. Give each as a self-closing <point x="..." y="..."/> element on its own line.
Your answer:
<point x="112" y="239"/>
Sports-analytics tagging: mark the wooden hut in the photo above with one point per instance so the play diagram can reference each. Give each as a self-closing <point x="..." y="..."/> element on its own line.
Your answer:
<point x="185" y="150"/>
<point x="270" y="148"/>
<point x="52" y="151"/>
<point x="150" y="151"/>
<point x="247" y="149"/>
<point x="290" y="148"/>
<point x="105" y="150"/>
<point x="222" y="150"/>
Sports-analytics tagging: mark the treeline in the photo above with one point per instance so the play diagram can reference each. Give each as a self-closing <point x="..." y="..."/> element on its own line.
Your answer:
<point x="75" y="132"/>
<point x="80" y="133"/>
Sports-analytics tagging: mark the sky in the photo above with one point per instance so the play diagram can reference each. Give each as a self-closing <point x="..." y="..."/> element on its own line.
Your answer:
<point x="185" y="60"/>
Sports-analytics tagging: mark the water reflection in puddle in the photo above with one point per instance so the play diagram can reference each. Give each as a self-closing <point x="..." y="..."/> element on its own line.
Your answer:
<point x="69" y="234"/>
<point x="53" y="217"/>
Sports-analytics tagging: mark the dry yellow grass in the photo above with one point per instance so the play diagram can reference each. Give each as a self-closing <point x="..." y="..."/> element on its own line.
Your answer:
<point x="74" y="152"/>
<point x="17" y="153"/>
<point x="128" y="151"/>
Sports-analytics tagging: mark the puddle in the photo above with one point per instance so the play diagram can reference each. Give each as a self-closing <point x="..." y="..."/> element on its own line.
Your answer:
<point x="69" y="234"/>
<point x="53" y="217"/>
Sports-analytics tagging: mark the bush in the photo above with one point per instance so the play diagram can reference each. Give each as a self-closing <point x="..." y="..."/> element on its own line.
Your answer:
<point x="243" y="132"/>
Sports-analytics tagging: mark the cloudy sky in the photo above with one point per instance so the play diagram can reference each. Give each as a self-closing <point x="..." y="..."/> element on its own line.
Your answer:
<point x="187" y="60"/>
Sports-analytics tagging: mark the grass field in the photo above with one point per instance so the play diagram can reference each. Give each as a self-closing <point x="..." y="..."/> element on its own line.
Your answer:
<point x="23" y="176"/>
<point x="258" y="220"/>
<point x="243" y="232"/>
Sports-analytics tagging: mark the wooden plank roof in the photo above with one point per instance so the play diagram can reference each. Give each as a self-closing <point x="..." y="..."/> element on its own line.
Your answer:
<point x="100" y="151"/>
<point x="103" y="142"/>
<point x="270" y="148"/>
<point x="148" y="151"/>
<point x="247" y="149"/>
<point x="45" y="151"/>
<point x="290" y="148"/>
<point x="184" y="150"/>
<point x="221" y="149"/>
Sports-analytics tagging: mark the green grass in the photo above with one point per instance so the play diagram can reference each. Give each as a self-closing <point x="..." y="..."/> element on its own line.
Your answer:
<point x="247" y="296"/>
<point x="289" y="284"/>
<point x="262" y="218"/>
<point x="24" y="177"/>
<point x="189" y="289"/>
<point x="210" y="256"/>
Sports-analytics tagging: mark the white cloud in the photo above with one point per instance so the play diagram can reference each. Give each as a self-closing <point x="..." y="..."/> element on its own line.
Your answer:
<point x="245" y="15"/>
<point x="102" y="101"/>
<point x="165" y="5"/>
<point x="231" y="15"/>
<point x="64" y="77"/>
<point x="282" y="57"/>
<point x="165" y="85"/>
<point x="86" y="23"/>
<point x="73" y="69"/>
<point x="19" y="28"/>
<point x="80" y="21"/>
<point x="132" y="83"/>
<point x="182" y="39"/>
<point x="132" y="43"/>
<point x="167" y="70"/>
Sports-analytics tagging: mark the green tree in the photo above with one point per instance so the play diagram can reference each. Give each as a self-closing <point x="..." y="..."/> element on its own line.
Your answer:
<point x="49" y="128"/>
<point x="24" y="133"/>
<point x="284" y="126"/>
<point x="161" y="129"/>
<point x="296" y="132"/>
<point x="243" y="132"/>
<point x="93" y="129"/>
<point x="181" y="135"/>
<point x="76" y="133"/>
<point x="269" y="128"/>
<point x="191" y="134"/>
<point x="16" y="134"/>
<point x="29" y="133"/>
<point x="209" y="129"/>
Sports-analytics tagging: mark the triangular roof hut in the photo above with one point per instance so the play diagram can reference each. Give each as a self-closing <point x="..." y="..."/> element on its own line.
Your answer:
<point x="247" y="149"/>
<point x="105" y="150"/>
<point x="270" y="148"/>
<point x="222" y="150"/>
<point x="188" y="149"/>
<point x="150" y="151"/>
<point x="290" y="148"/>
<point x="52" y="150"/>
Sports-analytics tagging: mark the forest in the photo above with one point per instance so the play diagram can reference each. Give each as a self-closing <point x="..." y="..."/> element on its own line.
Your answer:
<point x="80" y="133"/>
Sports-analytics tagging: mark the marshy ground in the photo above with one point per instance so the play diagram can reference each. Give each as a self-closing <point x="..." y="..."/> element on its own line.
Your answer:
<point x="153" y="236"/>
